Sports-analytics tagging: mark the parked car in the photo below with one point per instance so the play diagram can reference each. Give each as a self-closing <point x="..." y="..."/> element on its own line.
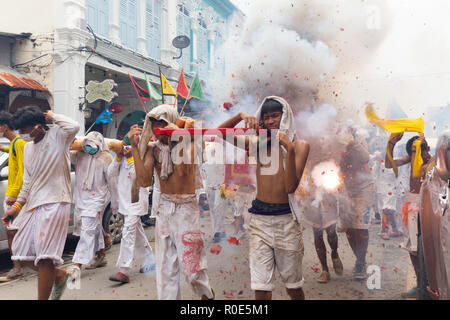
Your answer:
<point x="434" y="227"/>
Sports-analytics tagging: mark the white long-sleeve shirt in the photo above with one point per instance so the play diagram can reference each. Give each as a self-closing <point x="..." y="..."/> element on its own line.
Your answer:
<point x="124" y="171"/>
<point x="90" y="202"/>
<point x="46" y="177"/>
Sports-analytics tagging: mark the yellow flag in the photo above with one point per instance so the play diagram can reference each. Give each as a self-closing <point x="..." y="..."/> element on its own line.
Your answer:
<point x="166" y="87"/>
<point x="396" y="127"/>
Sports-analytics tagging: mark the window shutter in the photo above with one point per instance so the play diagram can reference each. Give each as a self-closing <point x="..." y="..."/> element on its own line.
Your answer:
<point x="123" y="12"/>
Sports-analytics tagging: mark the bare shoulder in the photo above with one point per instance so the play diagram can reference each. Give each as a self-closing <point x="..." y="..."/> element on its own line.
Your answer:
<point x="301" y="145"/>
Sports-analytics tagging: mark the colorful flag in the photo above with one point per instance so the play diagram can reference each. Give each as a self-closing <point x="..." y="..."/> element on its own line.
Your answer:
<point x="105" y="116"/>
<point x="166" y="87"/>
<point x="154" y="94"/>
<point x="196" y="89"/>
<point x="182" y="88"/>
<point x="141" y="92"/>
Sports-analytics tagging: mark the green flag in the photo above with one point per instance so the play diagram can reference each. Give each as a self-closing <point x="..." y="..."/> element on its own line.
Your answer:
<point x="154" y="94"/>
<point x="196" y="89"/>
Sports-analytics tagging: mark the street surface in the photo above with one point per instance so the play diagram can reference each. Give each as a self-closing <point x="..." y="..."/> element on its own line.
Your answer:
<point x="229" y="273"/>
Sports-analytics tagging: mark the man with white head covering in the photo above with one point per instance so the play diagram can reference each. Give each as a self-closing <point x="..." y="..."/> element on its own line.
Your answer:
<point x="179" y="244"/>
<point x="275" y="231"/>
<point x="92" y="186"/>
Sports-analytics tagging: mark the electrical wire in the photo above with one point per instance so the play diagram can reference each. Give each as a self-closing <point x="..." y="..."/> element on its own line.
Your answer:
<point x="27" y="62"/>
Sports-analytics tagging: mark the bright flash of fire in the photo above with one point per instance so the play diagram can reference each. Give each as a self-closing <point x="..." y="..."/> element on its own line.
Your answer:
<point x="330" y="180"/>
<point x="326" y="175"/>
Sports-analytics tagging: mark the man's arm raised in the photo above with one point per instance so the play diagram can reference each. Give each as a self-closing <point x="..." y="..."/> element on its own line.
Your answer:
<point x="391" y="144"/>
<point x="144" y="168"/>
<point x="250" y="123"/>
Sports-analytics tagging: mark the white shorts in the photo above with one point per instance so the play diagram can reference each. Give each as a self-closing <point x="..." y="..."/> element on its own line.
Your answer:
<point x="410" y="231"/>
<point x="275" y="241"/>
<point x="15" y="224"/>
<point x="42" y="234"/>
<point x="387" y="202"/>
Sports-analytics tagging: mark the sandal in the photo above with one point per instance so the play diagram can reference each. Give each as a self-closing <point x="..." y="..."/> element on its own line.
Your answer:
<point x="59" y="288"/>
<point x="324" y="277"/>
<point x="108" y="242"/>
<point x="120" y="277"/>
<point x="338" y="266"/>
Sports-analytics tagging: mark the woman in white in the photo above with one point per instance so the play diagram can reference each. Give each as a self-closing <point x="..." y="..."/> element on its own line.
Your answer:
<point x="134" y="244"/>
<point x="91" y="193"/>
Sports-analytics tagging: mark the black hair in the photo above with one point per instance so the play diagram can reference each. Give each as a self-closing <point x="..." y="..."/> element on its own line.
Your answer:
<point x="270" y="105"/>
<point x="410" y="142"/>
<point x="29" y="117"/>
<point x="6" y="118"/>
<point x="157" y="120"/>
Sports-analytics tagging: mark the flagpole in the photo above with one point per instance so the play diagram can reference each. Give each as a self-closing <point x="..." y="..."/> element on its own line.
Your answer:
<point x="187" y="98"/>
<point x="135" y="89"/>
<point x="162" y="88"/>
<point x="90" y="128"/>
<point x="182" y="109"/>
<point x="95" y="122"/>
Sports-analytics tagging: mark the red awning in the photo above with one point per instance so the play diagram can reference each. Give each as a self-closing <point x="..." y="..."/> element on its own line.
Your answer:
<point x="14" y="79"/>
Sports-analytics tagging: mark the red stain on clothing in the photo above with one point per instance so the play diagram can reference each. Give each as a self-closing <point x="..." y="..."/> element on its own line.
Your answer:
<point x="191" y="257"/>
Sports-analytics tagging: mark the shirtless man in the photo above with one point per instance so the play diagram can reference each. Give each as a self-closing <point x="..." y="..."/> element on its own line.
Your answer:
<point x="178" y="239"/>
<point x="275" y="233"/>
<point x="412" y="202"/>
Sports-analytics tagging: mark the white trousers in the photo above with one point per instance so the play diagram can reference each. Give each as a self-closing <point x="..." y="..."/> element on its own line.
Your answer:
<point x="42" y="233"/>
<point x="179" y="247"/>
<point x="134" y="244"/>
<point x="241" y="203"/>
<point x="217" y="209"/>
<point x="91" y="240"/>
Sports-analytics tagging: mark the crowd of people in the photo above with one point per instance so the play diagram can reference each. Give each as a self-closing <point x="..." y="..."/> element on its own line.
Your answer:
<point x="39" y="196"/>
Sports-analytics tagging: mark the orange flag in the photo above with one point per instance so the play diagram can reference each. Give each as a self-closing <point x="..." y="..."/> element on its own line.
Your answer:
<point x="182" y="88"/>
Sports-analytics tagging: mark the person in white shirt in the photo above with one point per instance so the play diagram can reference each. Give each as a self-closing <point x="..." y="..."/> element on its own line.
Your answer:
<point x="92" y="187"/>
<point x="46" y="195"/>
<point x="134" y="244"/>
<point x="213" y="173"/>
<point x="386" y="186"/>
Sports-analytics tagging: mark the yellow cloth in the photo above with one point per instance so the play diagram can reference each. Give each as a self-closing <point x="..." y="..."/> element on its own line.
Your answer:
<point x="15" y="167"/>
<point x="396" y="127"/>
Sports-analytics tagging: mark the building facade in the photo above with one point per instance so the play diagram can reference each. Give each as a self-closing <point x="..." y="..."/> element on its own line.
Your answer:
<point x="72" y="42"/>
